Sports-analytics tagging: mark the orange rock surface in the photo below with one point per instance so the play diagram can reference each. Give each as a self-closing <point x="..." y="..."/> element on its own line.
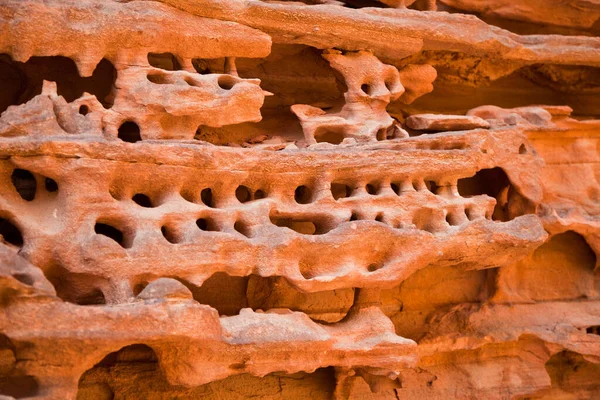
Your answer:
<point x="317" y="199"/>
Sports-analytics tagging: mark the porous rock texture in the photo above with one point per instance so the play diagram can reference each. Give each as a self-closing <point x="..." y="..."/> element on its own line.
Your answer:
<point x="317" y="199"/>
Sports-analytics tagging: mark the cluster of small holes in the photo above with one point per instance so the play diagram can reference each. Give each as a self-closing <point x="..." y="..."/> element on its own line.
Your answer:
<point x="244" y="194"/>
<point x="26" y="185"/>
<point x="304" y="194"/>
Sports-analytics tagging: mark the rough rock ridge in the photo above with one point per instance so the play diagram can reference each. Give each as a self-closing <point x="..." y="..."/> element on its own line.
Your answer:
<point x="316" y="199"/>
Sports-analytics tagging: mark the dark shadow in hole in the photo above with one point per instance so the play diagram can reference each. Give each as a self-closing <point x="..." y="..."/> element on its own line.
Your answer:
<point x="432" y="186"/>
<point x="522" y="149"/>
<point x="259" y="194"/>
<point x="141" y="362"/>
<point x="207" y="224"/>
<point x="113" y="233"/>
<point x="223" y="292"/>
<point x="24" y="278"/>
<point x="50" y="185"/>
<point x="142" y="200"/>
<point x="226" y="82"/>
<point x="303" y="194"/>
<point x="129" y="132"/>
<point x="166" y="61"/>
<point x="19" y="386"/>
<point x="593" y="330"/>
<point x="329" y="137"/>
<point x="83" y="109"/>
<point x="372" y="188"/>
<point x="243" y="228"/>
<point x="77" y="288"/>
<point x="23" y="81"/>
<point x="170" y="234"/>
<point x="495" y="183"/>
<point x="206" y="196"/>
<point x="202" y="66"/>
<point x="24" y="183"/>
<point x="135" y="353"/>
<point x="10" y="233"/>
<point x="158" y="78"/>
<point x="340" y="190"/>
<point x="452" y="219"/>
<point x="243" y="194"/>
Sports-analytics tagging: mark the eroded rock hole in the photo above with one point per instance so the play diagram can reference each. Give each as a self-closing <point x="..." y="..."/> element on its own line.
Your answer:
<point x="522" y="149"/>
<point x="170" y="234"/>
<point x="201" y="66"/>
<point x="365" y="87"/>
<point x="206" y="196"/>
<point x="276" y="292"/>
<point x="23" y="81"/>
<point x="432" y="186"/>
<point x="112" y="233"/>
<point x="129" y="132"/>
<point x="207" y="224"/>
<point x="593" y="330"/>
<point x="77" y="288"/>
<point x="372" y="188"/>
<point x="84" y="110"/>
<point x="243" y="228"/>
<point x="142" y="200"/>
<point x="166" y="61"/>
<point x="105" y="381"/>
<point x="24" y="278"/>
<point x="24" y="183"/>
<point x="223" y="292"/>
<point x="157" y="78"/>
<point x="10" y="233"/>
<point x="50" y="185"/>
<point x="329" y="137"/>
<point x="259" y="194"/>
<point x="374" y="267"/>
<point x="340" y="191"/>
<point x="395" y="187"/>
<point x="379" y="217"/>
<point x="226" y="82"/>
<point x="243" y="194"/>
<point x="303" y="194"/>
<point x="301" y="226"/>
<point x="495" y="183"/>
<point x="453" y="219"/>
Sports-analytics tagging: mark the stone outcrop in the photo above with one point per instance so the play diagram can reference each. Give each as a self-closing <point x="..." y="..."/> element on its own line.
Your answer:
<point x="319" y="199"/>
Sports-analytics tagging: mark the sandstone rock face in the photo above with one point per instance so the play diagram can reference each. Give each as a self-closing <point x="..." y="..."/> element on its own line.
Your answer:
<point x="317" y="199"/>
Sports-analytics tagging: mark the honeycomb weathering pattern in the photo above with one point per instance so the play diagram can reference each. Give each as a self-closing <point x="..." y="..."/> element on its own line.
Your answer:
<point x="311" y="199"/>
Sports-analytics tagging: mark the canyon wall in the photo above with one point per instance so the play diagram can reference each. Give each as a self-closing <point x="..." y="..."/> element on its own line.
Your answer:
<point x="319" y="199"/>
